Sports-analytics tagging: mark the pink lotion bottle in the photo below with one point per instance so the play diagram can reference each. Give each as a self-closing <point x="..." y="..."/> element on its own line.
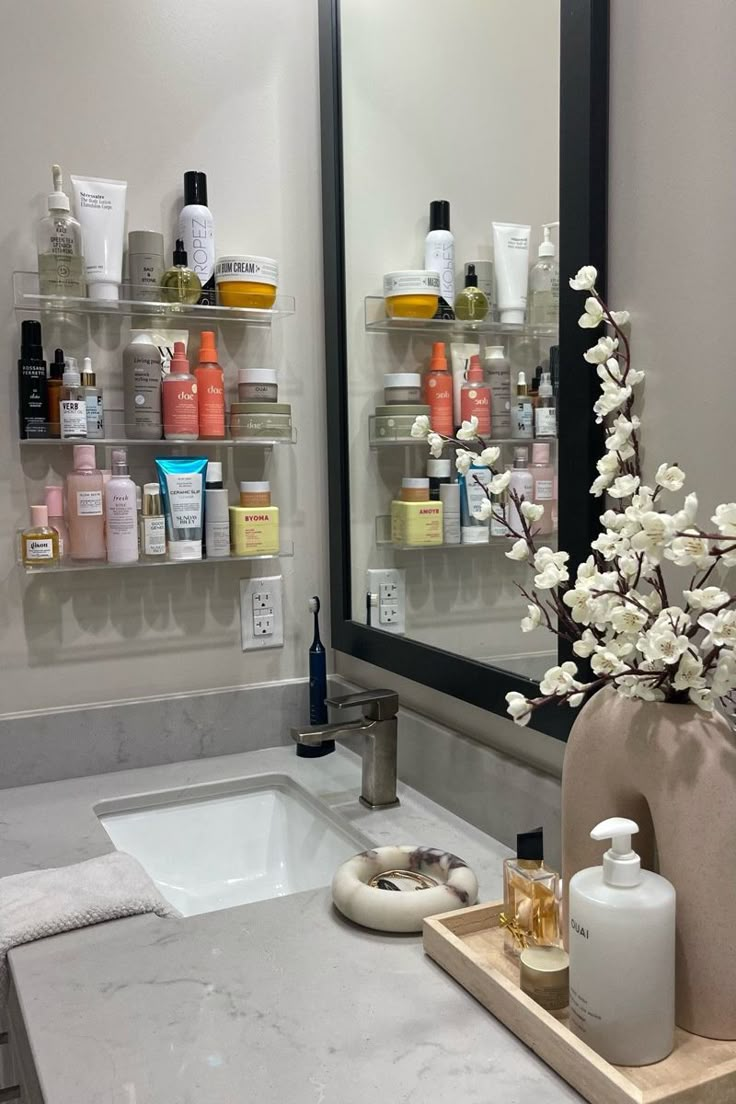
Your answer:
<point x="55" y="506"/>
<point x="85" y="507"/>
<point x="179" y="399"/>
<point x="545" y="486"/>
<point x="121" y="512"/>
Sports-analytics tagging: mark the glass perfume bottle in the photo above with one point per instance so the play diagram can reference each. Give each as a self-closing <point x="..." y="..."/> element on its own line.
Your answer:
<point x="530" y="897"/>
<point x="179" y="284"/>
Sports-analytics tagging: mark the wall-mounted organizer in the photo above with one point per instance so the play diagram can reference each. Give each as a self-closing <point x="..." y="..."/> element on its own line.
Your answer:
<point x="119" y="409"/>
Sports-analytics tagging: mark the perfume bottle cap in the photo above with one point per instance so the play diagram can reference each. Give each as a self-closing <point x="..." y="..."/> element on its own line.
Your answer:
<point x="56" y="368"/>
<point x="54" y="501"/>
<point x="471" y="278"/>
<point x="207" y="347"/>
<point x="439" y="214"/>
<point x="179" y="364"/>
<point x="119" y="461"/>
<point x="195" y="187"/>
<point x="39" y="517"/>
<point x="58" y="200"/>
<point x="530" y="845"/>
<point x="84" y="457"/>
<point x="180" y="253"/>
<point x="474" y="373"/>
<point x="521" y="456"/>
<point x="31" y="347"/>
<point x="151" y="506"/>
<point x="540" y="453"/>
<point x="438" y="362"/>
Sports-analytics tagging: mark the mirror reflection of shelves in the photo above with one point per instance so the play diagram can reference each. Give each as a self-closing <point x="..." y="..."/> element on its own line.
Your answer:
<point x="65" y="566"/>
<point x="28" y="299"/>
<point x="382" y="438"/>
<point x="377" y="321"/>
<point x="115" y="434"/>
<point x="384" y="542"/>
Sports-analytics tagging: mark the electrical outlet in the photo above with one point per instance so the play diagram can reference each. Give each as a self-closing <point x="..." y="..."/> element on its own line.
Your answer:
<point x="387" y="588"/>
<point x="262" y="613"/>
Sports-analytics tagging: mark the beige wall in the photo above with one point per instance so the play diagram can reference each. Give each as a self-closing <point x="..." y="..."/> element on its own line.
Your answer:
<point x="672" y="241"/>
<point x="143" y="91"/>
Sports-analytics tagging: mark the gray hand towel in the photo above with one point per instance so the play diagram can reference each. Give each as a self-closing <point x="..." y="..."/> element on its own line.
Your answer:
<point x="40" y="903"/>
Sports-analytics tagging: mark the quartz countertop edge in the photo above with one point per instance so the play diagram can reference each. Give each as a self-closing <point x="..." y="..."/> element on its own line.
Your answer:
<point x="281" y="1000"/>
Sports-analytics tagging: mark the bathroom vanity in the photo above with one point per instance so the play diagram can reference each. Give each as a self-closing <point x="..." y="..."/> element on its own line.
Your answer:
<point x="279" y="1000"/>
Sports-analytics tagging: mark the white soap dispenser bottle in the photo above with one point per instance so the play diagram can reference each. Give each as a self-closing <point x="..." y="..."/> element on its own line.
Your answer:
<point x="622" y="954"/>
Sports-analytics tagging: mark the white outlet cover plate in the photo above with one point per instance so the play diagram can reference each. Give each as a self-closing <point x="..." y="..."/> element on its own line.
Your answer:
<point x="389" y="616"/>
<point x="249" y="614"/>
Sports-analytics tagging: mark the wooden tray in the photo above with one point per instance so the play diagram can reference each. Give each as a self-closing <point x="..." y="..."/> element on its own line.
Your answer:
<point x="469" y="945"/>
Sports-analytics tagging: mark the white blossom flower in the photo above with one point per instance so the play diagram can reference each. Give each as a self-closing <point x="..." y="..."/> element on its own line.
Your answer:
<point x="706" y="598"/>
<point x="488" y="456"/>
<point x="468" y="430"/>
<point x="670" y="477"/>
<point x="600" y="483"/>
<point x="603" y="351"/>
<point x="582" y="608"/>
<point x="584" y="279"/>
<point x="484" y="511"/>
<point x="632" y="686"/>
<point x="634" y="376"/>
<point x="519" y="551"/>
<point x="724" y="676"/>
<point x="593" y="314"/>
<point x="624" y="486"/>
<point x="703" y="698"/>
<point x="499" y="483"/>
<point x="560" y="680"/>
<point x="464" y="461"/>
<point x="628" y="618"/>
<point x="720" y="627"/>
<point x="610" y="544"/>
<point x="610" y="371"/>
<point x="662" y="644"/>
<point x="689" y="548"/>
<point x="620" y="317"/>
<point x="421" y="426"/>
<point x="436" y="445"/>
<point x="608" y="464"/>
<point x="576" y="700"/>
<point x="606" y="663"/>
<point x="519" y="707"/>
<point x="621" y="432"/>
<point x="725" y="519"/>
<point x="550" y="576"/>
<point x="586" y="645"/>
<point x="628" y="564"/>
<point x="685" y="518"/>
<point x="614" y="519"/>
<point x="689" y="674"/>
<point x="533" y="620"/>
<point x="612" y="397"/>
<point x="544" y="555"/>
<point x="531" y="511"/>
<point x="656" y="530"/>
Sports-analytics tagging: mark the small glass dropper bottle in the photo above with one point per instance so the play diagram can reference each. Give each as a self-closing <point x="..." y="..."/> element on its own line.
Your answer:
<point x="179" y="284"/>
<point x="471" y="304"/>
<point x="39" y="543"/>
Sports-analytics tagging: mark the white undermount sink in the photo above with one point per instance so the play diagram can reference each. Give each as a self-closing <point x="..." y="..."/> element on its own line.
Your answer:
<point x="216" y="846"/>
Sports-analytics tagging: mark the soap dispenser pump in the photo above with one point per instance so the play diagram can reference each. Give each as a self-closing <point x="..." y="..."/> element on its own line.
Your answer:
<point x="544" y="283"/>
<point x="622" y="954"/>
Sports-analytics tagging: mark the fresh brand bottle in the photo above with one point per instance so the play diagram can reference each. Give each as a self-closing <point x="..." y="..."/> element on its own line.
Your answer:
<point x="55" y="506"/>
<point x="475" y="398"/>
<point x="39" y="543"/>
<point x="438" y="391"/>
<point x="544" y="491"/>
<point x="522" y="426"/>
<point x="72" y="407"/>
<point x="121" y="512"/>
<point x="522" y="482"/>
<point x="498" y="373"/>
<point x="60" y="260"/>
<point x="439" y="253"/>
<point x="197" y="231"/>
<point x="85" y="506"/>
<point x="142" y="388"/>
<point x="92" y="401"/>
<point x="210" y="389"/>
<point x="179" y="395"/>
<point x="216" y="515"/>
<point x="622" y="954"/>
<point x="32" y="389"/>
<point x="53" y="392"/>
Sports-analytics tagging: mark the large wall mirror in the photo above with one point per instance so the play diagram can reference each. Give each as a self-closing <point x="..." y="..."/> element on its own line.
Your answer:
<point x="483" y="124"/>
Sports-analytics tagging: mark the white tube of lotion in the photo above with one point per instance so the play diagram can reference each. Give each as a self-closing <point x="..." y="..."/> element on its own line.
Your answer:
<point x="100" y="207"/>
<point x="511" y="257"/>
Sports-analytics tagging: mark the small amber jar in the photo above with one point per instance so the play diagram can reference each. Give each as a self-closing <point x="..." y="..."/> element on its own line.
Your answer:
<point x="255" y="494"/>
<point x="415" y="490"/>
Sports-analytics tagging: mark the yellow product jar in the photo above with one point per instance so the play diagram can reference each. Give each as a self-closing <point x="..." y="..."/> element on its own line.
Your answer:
<point x="246" y="281"/>
<point x="411" y="293"/>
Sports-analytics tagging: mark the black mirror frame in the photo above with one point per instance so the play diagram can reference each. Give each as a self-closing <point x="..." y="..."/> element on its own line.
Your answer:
<point x="583" y="240"/>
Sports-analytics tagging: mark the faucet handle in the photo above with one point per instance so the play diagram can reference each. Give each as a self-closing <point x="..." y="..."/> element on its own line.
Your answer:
<point x="378" y="705"/>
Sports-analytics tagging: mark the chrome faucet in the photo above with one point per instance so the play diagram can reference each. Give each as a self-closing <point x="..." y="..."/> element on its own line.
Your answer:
<point x="378" y="725"/>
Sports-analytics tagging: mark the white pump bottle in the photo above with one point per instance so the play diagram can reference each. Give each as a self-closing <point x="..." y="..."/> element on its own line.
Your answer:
<point x="622" y="954"/>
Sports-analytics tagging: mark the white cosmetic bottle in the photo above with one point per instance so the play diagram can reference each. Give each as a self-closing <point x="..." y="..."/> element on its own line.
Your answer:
<point x="216" y="514"/>
<point x="622" y="954"/>
<point x="439" y="249"/>
<point x="121" y="512"/>
<point x="197" y="231"/>
<point x="522" y="481"/>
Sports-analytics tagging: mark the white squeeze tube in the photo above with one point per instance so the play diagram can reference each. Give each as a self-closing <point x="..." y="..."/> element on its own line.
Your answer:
<point x="100" y="207"/>
<point x="511" y="257"/>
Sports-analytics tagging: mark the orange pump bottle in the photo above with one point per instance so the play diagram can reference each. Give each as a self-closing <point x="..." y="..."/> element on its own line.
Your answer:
<point x="210" y="389"/>
<point x="475" y="398"/>
<point x="438" y="391"/>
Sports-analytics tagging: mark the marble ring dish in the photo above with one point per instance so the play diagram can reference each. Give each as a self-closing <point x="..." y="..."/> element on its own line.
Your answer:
<point x="451" y="884"/>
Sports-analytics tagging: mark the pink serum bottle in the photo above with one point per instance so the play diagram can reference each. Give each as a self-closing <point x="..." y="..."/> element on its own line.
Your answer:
<point x="179" y="399"/>
<point x="85" y="507"/>
<point x="545" y="483"/>
<point x="121" y="512"/>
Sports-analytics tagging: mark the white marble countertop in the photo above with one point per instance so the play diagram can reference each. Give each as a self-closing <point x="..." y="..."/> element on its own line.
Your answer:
<point x="279" y="1002"/>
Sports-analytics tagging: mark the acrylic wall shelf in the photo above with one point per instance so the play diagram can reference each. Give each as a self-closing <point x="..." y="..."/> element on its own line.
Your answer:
<point x="28" y="299"/>
<point x="377" y="321"/>
<point x="383" y="541"/>
<point x="134" y="442"/>
<point x="385" y="440"/>
<point x="286" y="552"/>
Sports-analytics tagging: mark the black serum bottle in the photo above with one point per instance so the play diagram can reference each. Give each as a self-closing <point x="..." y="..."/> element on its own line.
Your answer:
<point x="32" y="392"/>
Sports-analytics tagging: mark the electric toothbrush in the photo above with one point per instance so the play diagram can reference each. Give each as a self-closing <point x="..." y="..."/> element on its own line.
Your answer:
<point x="317" y="688"/>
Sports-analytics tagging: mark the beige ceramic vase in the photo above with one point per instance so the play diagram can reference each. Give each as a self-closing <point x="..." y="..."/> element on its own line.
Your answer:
<point x="672" y="769"/>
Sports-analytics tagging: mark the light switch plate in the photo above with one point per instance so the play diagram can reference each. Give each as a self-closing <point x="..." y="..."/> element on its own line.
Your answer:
<point x="387" y="586"/>
<point x="262" y="613"/>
